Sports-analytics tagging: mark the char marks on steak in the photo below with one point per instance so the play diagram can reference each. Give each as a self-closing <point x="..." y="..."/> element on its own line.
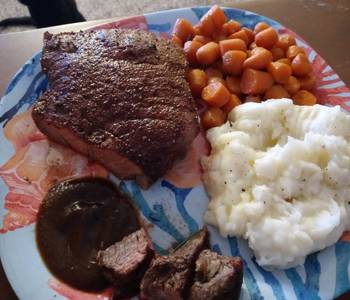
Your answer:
<point x="125" y="262"/>
<point x="170" y="277"/>
<point x="217" y="277"/>
<point x="119" y="97"/>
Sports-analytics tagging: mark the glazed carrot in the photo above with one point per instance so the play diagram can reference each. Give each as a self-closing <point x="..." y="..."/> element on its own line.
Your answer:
<point x="307" y="82"/>
<point x="177" y="41"/>
<point x="277" y="53"/>
<point x="183" y="29"/>
<point x="208" y="53"/>
<point x="206" y="26"/>
<point x="218" y="65"/>
<point x="292" y="85"/>
<point x="218" y="16"/>
<point x="252" y="46"/>
<point x="231" y="27"/>
<point x="232" y="44"/>
<point x="301" y="65"/>
<point x="237" y="62"/>
<point x="250" y="35"/>
<point x="276" y="92"/>
<point x="213" y="117"/>
<point x="196" y="30"/>
<point x="233" y="84"/>
<point x="213" y="72"/>
<point x="285" y="41"/>
<point x="251" y="98"/>
<point x="217" y="79"/>
<point x="197" y="80"/>
<point x="285" y="61"/>
<point x="201" y="39"/>
<point x="259" y="59"/>
<point x="190" y="49"/>
<point x="233" y="61"/>
<point x="255" y="82"/>
<point x="218" y="36"/>
<point x="241" y="34"/>
<point x="266" y="38"/>
<point x="279" y="71"/>
<point x="304" y="97"/>
<point x="231" y="104"/>
<point x="260" y="27"/>
<point x="293" y="51"/>
<point x="216" y="94"/>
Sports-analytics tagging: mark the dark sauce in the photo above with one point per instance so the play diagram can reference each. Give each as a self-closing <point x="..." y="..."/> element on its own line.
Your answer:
<point x="78" y="218"/>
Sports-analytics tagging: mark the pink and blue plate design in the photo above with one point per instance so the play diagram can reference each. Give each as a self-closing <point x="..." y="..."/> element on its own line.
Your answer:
<point x="173" y="206"/>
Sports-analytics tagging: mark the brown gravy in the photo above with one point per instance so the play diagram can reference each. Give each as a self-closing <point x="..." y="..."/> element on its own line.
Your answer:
<point x="76" y="219"/>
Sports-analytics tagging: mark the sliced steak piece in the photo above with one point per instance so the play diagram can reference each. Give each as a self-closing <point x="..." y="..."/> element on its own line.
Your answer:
<point x="191" y="248"/>
<point x="119" y="97"/>
<point x="217" y="277"/>
<point x="124" y="263"/>
<point x="170" y="277"/>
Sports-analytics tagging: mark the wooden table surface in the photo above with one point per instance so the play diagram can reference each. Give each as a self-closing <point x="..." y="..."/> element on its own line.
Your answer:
<point x="325" y="24"/>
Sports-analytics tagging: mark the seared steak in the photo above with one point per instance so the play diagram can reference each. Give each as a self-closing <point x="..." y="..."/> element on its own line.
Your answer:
<point x="191" y="248"/>
<point x="170" y="277"/>
<point x="217" y="277"/>
<point x="119" y="97"/>
<point x="125" y="263"/>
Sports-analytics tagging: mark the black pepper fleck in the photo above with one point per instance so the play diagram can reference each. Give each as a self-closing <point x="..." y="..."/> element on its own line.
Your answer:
<point x="243" y="190"/>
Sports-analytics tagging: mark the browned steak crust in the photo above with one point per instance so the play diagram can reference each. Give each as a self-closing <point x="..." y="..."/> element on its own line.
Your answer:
<point x="217" y="277"/>
<point x="125" y="262"/>
<point x="170" y="277"/>
<point x="120" y="97"/>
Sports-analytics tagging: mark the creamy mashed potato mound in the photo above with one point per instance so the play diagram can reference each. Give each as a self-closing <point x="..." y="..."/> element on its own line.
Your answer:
<point x="279" y="176"/>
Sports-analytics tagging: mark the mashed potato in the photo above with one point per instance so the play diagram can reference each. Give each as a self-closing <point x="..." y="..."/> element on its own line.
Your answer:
<point x="279" y="176"/>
